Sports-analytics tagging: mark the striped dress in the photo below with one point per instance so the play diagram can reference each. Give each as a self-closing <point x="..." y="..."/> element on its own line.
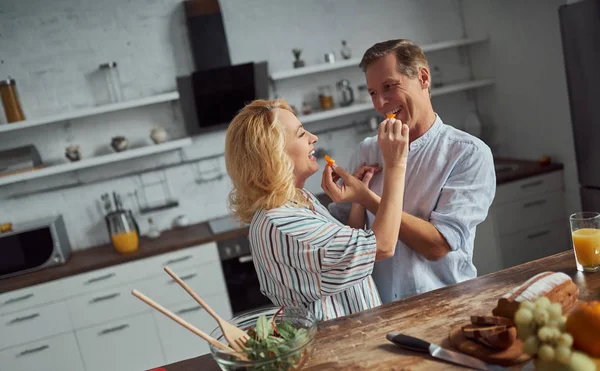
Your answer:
<point x="307" y="258"/>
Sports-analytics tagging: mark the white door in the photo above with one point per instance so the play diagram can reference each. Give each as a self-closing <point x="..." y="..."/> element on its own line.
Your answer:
<point x="179" y="343"/>
<point x="121" y="345"/>
<point x="55" y="353"/>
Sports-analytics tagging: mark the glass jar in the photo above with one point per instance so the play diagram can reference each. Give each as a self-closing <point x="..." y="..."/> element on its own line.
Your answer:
<point x="325" y="97"/>
<point x="10" y="100"/>
<point x="123" y="231"/>
<point x="363" y="94"/>
<point x="113" y="82"/>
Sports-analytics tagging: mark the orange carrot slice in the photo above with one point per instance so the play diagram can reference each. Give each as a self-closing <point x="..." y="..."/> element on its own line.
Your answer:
<point x="329" y="160"/>
<point x="391" y="115"/>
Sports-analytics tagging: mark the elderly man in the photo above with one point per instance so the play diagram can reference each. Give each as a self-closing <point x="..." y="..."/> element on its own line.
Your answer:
<point x="450" y="178"/>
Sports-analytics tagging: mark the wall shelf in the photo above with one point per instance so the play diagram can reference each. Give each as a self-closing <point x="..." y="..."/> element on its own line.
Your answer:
<point x="324" y="67"/>
<point x="362" y="107"/>
<point x="96" y="161"/>
<point x="91" y="111"/>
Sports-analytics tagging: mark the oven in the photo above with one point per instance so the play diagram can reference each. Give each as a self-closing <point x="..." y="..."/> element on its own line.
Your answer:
<point x="240" y="276"/>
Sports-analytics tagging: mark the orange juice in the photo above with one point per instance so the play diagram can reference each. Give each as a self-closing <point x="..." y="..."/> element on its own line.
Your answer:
<point x="587" y="246"/>
<point x="125" y="242"/>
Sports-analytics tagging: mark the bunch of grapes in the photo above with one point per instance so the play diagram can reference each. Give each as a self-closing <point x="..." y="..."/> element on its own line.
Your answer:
<point x="541" y="326"/>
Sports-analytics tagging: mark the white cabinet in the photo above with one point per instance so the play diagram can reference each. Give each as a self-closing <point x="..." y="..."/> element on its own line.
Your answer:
<point x="179" y="343"/>
<point x="92" y="322"/>
<point x="55" y="353"/>
<point x="127" y="344"/>
<point x="526" y="221"/>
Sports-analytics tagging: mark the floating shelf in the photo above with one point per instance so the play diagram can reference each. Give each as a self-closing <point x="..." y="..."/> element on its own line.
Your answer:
<point x="281" y="75"/>
<point x="355" y="108"/>
<point x="90" y="111"/>
<point x="96" y="161"/>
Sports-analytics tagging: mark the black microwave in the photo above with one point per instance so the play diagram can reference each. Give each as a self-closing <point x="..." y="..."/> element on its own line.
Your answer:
<point x="33" y="246"/>
<point x="211" y="98"/>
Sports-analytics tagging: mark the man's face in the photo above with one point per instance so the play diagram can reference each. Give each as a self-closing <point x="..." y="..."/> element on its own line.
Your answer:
<point x="394" y="92"/>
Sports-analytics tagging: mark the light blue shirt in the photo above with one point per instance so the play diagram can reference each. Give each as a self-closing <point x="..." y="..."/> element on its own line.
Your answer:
<point x="450" y="182"/>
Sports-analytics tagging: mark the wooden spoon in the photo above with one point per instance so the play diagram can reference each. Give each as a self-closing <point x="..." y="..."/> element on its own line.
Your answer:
<point x="235" y="336"/>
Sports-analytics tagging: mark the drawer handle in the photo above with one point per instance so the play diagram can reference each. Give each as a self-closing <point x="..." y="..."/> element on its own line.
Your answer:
<point x="536" y="235"/>
<point x="105" y="297"/>
<point x="19" y="298"/>
<point x="532" y="184"/>
<point x="113" y="329"/>
<point x="22" y="319"/>
<point x="188" y="310"/>
<point x="534" y="203"/>
<point x="33" y="350"/>
<point x="100" y="278"/>
<point x="178" y="260"/>
<point x="186" y="277"/>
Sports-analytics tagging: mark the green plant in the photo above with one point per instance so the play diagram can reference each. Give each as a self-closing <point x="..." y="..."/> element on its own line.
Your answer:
<point x="297" y="52"/>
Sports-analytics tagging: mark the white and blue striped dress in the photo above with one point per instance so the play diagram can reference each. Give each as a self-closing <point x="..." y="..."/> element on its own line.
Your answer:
<point x="307" y="258"/>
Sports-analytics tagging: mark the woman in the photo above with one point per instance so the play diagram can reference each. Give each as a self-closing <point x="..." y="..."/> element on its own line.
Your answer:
<point x="303" y="256"/>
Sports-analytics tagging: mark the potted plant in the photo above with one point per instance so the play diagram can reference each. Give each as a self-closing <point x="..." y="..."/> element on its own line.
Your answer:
<point x="298" y="62"/>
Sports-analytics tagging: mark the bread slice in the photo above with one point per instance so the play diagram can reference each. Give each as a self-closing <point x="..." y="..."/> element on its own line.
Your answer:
<point x="478" y="332"/>
<point x="491" y="320"/>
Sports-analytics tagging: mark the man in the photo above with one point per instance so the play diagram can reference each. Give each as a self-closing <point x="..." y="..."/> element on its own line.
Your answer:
<point x="450" y="178"/>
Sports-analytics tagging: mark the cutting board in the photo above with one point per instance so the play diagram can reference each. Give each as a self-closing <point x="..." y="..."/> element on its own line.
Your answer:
<point x="508" y="357"/>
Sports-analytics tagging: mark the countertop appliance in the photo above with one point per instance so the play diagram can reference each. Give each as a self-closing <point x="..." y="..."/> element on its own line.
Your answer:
<point x="580" y="30"/>
<point x="33" y="246"/>
<point x="241" y="278"/>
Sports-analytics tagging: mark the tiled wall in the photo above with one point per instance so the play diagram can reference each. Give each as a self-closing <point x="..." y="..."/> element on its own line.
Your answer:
<point x="53" y="49"/>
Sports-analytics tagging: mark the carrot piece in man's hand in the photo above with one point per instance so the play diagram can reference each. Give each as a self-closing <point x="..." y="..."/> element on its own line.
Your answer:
<point x="329" y="160"/>
<point x="391" y="116"/>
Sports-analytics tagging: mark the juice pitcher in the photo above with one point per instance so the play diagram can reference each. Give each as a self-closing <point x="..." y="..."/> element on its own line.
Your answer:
<point x="123" y="230"/>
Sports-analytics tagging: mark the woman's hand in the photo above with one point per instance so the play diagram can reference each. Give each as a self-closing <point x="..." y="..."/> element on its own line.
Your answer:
<point x="351" y="190"/>
<point x="393" y="143"/>
<point x="364" y="173"/>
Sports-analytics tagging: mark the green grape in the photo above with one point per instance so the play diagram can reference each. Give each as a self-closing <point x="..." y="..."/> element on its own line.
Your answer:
<point x="565" y="340"/>
<point x="581" y="362"/>
<point x="523" y="317"/>
<point x="554" y="324"/>
<point x="545" y="334"/>
<point x="541" y="316"/>
<point x="563" y="354"/>
<point x="542" y="302"/>
<point x="530" y="346"/>
<point x="546" y="353"/>
<point x="527" y="305"/>
<point x="562" y="323"/>
<point x="555" y="310"/>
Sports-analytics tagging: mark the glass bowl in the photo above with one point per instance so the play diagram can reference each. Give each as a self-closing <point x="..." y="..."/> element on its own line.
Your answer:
<point x="293" y="359"/>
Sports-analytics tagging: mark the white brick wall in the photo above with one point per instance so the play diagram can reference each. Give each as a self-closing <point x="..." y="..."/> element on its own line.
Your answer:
<point x="53" y="49"/>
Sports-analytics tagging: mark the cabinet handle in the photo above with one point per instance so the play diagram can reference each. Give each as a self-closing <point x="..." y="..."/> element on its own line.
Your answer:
<point x="22" y="319"/>
<point x="532" y="184"/>
<point x="113" y="329"/>
<point x="188" y="310"/>
<point x="186" y="277"/>
<point x="178" y="260"/>
<point x="534" y="203"/>
<point x="18" y="298"/>
<point x="100" y="278"/>
<point x="33" y="350"/>
<point x="538" y="234"/>
<point x="105" y="297"/>
<point x="245" y="259"/>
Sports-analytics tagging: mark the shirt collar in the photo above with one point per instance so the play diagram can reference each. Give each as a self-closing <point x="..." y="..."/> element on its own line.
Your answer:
<point x="429" y="134"/>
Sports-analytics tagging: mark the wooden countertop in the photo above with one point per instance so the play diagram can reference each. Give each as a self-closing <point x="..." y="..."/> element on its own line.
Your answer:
<point x="358" y="342"/>
<point x="103" y="256"/>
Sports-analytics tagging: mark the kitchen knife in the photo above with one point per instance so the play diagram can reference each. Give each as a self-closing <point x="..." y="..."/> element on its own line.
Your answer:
<point x="418" y="345"/>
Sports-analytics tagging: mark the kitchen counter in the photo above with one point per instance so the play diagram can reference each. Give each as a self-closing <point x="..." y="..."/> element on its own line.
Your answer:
<point x="358" y="342"/>
<point x="510" y="170"/>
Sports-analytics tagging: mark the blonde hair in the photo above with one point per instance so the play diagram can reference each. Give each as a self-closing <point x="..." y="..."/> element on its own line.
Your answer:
<point x="409" y="56"/>
<point x="260" y="169"/>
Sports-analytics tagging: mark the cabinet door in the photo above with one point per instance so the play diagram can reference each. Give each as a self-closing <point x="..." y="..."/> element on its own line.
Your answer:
<point x="179" y="343"/>
<point x="531" y="212"/>
<point x="128" y="344"/>
<point x="56" y="353"/>
<point x="486" y="255"/>
<point x="535" y="243"/>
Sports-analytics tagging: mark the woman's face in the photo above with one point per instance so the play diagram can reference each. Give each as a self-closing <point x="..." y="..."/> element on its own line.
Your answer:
<point x="299" y="145"/>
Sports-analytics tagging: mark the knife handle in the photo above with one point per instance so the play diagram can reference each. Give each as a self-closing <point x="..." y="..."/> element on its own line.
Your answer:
<point x="409" y="342"/>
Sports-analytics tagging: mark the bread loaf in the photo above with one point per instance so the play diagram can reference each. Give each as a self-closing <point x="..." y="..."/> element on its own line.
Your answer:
<point x="558" y="287"/>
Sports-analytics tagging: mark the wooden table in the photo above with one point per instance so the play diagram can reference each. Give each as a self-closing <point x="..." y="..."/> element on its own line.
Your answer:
<point x="358" y="342"/>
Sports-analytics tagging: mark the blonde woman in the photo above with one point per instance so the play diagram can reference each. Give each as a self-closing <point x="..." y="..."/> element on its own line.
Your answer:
<point x="304" y="256"/>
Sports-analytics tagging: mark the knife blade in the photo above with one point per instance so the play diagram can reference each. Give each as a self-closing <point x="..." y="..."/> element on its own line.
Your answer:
<point x="418" y="345"/>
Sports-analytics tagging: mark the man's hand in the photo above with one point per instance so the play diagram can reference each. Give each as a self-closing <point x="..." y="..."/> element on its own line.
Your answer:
<point x="351" y="190"/>
<point x="364" y="173"/>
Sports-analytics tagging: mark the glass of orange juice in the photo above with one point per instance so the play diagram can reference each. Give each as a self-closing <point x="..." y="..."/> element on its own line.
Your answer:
<point x="123" y="232"/>
<point x="585" y="230"/>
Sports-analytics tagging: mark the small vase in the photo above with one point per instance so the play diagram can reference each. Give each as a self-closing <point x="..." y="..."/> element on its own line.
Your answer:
<point x="298" y="63"/>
